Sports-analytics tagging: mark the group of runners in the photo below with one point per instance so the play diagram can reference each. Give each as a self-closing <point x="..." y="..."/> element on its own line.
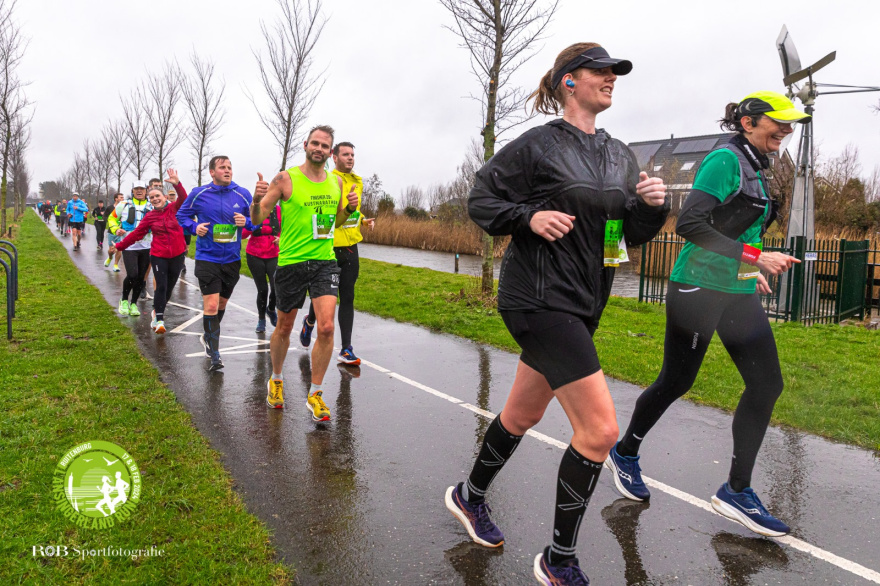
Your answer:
<point x="572" y="198"/>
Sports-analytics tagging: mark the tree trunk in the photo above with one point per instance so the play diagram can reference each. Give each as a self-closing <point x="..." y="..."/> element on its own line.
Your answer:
<point x="3" y="182"/>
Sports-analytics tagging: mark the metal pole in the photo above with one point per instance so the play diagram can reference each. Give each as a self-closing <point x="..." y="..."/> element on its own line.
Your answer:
<point x="10" y="279"/>
<point x="9" y="301"/>
<point x="14" y="265"/>
<point x="456" y="263"/>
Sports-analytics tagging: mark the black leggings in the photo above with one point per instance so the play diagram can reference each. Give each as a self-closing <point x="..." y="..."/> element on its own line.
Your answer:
<point x="99" y="232"/>
<point x="693" y="314"/>
<point x="349" y="264"/>
<point x="136" y="264"/>
<point x="166" y="272"/>
<point x="263" y="270"/>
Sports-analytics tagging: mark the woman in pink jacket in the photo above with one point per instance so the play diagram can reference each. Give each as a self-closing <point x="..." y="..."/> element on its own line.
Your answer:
<point x="262" y="260"/>
<point x="168" y="247"/>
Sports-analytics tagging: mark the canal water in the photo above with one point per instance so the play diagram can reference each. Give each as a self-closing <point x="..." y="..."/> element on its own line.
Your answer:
<point x="626" y="283"/>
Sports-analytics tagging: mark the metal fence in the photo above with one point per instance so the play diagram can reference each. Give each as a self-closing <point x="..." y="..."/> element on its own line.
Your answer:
<point x="836" y="279"/>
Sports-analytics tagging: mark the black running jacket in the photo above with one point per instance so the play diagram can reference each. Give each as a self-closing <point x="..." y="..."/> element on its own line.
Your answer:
<point x="559" y="167"/>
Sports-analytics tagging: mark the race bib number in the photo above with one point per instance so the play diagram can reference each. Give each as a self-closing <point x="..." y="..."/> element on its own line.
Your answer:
<point x="747" y="271"/>
<point x="323" y="226"/>
<point x="615" y="246"/>
<point x="353" y="220"/>
<point x="225" y="233"/>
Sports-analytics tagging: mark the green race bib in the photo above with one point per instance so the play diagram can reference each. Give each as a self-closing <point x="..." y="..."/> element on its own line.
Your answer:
<point x="323" y="226"/>
<point x="747" y="271"/>
<point x="615" y="247"/>
<point x="225" y="233"/>
<point x="353" y="220"/>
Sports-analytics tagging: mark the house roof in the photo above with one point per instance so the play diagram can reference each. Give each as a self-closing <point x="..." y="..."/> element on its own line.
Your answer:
<point x="687" y="149"/>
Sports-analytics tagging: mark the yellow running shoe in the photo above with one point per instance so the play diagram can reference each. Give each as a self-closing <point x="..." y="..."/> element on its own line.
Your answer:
<point x="275" y="396"/>
<point x="317" y="407"/>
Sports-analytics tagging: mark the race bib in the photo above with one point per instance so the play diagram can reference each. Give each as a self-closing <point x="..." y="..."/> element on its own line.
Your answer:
<point x="323" y="226"/>
<point x="353" y="220"/>
<point x="747" y="271"/>
<point x="615" y="246"/>
<point x="225" y="233"/>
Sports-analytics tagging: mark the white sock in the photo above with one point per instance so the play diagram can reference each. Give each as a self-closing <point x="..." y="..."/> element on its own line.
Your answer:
<point x="278" y="376"/>
<point x="314" y="388"/>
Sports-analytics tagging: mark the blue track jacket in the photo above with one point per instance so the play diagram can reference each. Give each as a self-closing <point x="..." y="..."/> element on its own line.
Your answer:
<point x="216" y="205"/>
<point x="75" y="210"/>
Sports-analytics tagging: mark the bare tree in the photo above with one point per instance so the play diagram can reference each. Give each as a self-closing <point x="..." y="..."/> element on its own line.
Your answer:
<point x="161" y="97"/>
<point x="18" y="168"/>
<point x="13" y="102"/>
<point x="500" y="36"/>
<point x="115" y="138"/>
<point x="373" y="192"/>
<point x="202" y="95"/>
<point x="78" y="177"/>
<point x="137" y="130"/>
<point x="412" y="197"/>
<point x="286" y="71"/>
<point x="103" y="164"/>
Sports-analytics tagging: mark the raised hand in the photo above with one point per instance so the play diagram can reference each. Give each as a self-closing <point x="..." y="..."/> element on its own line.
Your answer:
<point x="173" y="179"/>
<point x="551" y="225"/>
<point x="261" y="189"/>
<point x="651" y="190"/>
<point x="240" y="220"/>
<point x="352" y="198"/>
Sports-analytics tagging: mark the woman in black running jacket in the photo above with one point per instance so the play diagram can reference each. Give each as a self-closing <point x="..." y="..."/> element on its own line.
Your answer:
<point x="572" y="197"/>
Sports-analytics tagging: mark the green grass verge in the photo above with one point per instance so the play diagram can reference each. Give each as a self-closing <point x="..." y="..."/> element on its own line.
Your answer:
<point x="74" y="373"/>
<point x="832" y="380"/>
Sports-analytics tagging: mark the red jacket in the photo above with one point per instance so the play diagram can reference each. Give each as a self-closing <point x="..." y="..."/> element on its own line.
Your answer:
<point x="168" y="239"/>
<point x="262" y="242"/>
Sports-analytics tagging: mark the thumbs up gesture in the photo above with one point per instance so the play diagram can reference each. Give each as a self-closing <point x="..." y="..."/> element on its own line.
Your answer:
<point x="261" y="189"/>
<point x="651" y="190"/>
<point x="352" y="200"/>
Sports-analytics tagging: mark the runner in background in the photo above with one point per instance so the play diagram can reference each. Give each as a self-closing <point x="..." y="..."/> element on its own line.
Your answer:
<point x="112" y="238"/>
<point x="223" y="209"/>
<point x="100" y="223"/>
<point x="345" y="241"/>
<point x="167" y="247"/>
<point x="124" y="219"/>
<point x="262" y="260"/>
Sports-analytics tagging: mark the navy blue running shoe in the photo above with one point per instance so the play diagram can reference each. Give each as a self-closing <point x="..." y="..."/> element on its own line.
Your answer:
<point x="261" y="326"/>
<point x="746" y="508"/>
<point x="568" y="573"/>
<point x="627" y="475"/>
<point x="305" y="334"/>
<point x="474" y="517"/>
<point x="272" y="315"/>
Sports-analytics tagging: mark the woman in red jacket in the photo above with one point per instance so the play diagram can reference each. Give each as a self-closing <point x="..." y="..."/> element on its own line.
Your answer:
<point x="168" y="248"/>
<point x="262" y="260"/>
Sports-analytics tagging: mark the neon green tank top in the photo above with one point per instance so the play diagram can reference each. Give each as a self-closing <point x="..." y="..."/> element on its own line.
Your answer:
<point x="308" y="219"/>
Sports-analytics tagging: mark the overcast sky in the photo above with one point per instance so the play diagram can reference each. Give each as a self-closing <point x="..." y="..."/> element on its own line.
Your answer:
<point x="397" y="81"/>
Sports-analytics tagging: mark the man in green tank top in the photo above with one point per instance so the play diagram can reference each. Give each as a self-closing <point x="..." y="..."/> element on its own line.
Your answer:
<point x="312" y="207"/>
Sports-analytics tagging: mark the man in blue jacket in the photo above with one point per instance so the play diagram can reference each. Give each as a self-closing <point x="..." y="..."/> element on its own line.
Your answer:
<point x="216" y="214"/>
<point x="76" y="212"/>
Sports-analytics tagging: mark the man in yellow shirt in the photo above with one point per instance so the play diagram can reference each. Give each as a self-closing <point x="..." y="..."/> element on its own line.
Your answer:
<point x="345" y="240"/>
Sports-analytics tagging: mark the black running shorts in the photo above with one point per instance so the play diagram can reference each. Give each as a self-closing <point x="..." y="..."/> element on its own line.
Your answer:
<point x="559" y="345"/>
<point x="317" y="277"/>
<point x="217" y="278"/>
<point x="77" y="225"/>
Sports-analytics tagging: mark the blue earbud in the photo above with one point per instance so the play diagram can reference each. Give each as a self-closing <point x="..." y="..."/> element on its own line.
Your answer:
<point x="569" y="83"/>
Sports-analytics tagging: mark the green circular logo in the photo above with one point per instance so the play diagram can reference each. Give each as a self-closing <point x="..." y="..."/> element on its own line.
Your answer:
<point x="96" y="485"/>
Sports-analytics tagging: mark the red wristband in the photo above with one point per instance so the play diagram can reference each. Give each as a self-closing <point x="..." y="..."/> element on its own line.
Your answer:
<point x="750" y="254"/>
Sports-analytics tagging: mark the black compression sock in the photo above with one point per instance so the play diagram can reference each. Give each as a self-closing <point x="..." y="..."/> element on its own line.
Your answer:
<point x="629" y="446"/>
<point x="160" y="316"/>
<point x="498" y="446"/>
<point x="220" y="313"/>
<point x="212" y="332"/>
<point x="577" y="479"/>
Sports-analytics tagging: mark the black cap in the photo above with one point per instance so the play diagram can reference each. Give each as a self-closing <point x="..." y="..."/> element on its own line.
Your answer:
<point x="595" y="58"/>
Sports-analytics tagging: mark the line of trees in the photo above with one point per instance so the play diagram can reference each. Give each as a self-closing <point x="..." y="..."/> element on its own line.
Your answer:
<point x="15" y="116"/>
<point x="183" y="105"/>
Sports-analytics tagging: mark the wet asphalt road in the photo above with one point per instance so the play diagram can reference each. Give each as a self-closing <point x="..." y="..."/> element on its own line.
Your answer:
<point x="360" y="501"/>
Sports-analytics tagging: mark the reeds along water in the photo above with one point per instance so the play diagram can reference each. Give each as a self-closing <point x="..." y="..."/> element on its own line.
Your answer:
<point x="463" y="238"/>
